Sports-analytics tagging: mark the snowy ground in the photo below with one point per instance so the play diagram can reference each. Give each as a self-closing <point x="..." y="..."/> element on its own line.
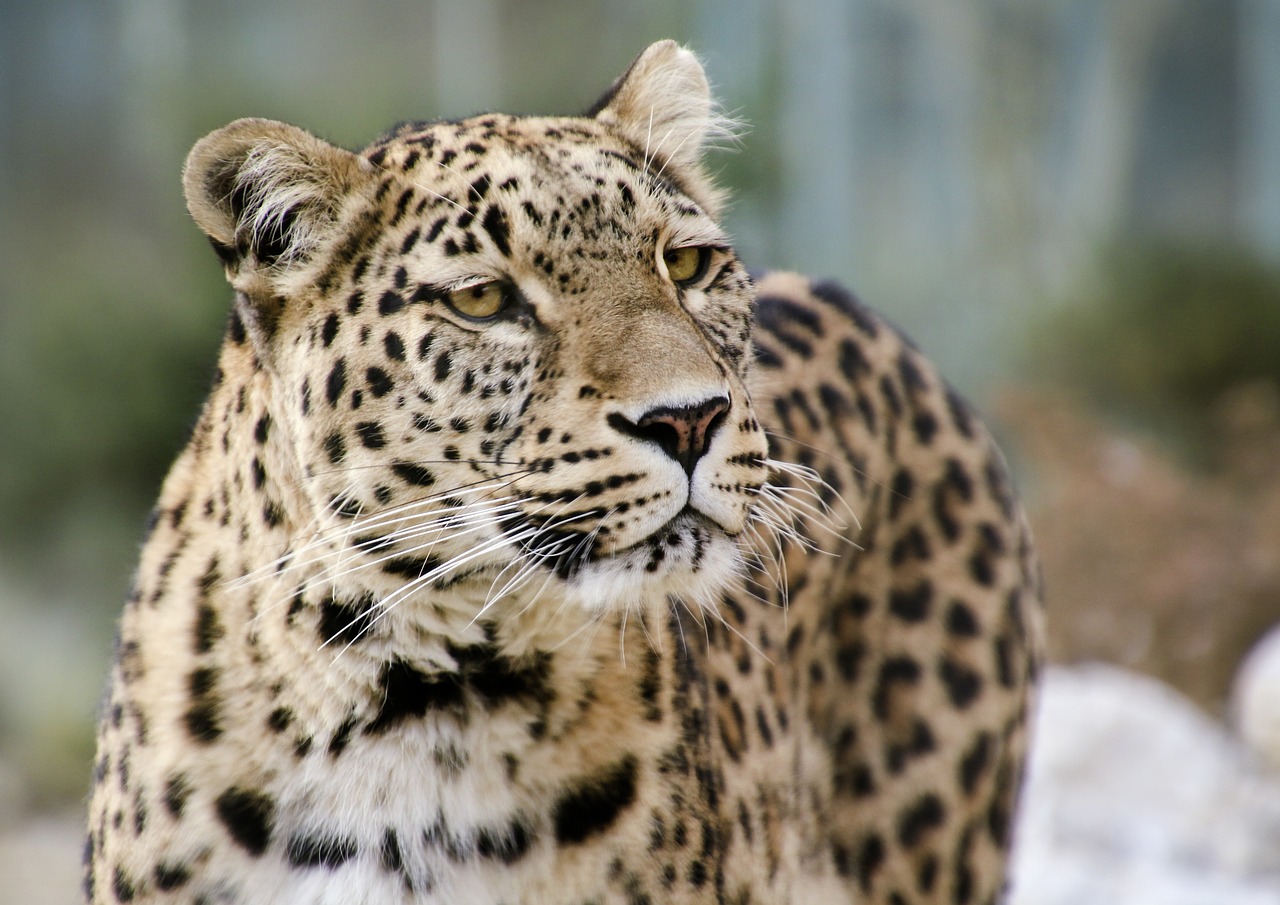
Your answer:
<point x="1134" y="798"/>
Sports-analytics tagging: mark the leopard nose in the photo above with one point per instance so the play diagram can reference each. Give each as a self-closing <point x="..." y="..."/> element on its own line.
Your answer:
<point x="682" y="432"/>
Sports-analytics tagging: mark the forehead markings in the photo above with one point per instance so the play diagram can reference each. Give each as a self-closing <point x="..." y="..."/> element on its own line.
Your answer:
<point x="525" y="146"/>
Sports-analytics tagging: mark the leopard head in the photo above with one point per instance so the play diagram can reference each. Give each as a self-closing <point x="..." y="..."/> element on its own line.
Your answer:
<point x="506" y="353"/>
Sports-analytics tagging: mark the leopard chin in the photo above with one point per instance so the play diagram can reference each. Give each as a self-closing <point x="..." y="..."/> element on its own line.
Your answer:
<point x="690" y="559"/>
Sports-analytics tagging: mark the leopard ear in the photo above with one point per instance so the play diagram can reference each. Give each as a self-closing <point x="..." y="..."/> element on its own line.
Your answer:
<point x="663" y="104"/>
<point x="266" y="193"/>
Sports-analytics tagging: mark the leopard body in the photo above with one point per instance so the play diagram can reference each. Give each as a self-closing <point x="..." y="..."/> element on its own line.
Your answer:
<point x="528" y="550"/>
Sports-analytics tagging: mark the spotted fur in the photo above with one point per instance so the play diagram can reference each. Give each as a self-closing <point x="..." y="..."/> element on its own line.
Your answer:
<point x="527" y="550"/>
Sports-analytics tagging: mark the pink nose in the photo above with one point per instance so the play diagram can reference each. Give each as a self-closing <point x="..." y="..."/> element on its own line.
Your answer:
<point x="683" y="432"/>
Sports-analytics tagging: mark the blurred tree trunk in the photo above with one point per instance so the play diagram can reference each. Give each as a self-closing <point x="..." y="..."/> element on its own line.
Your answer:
<point x="467" y="72"/>
<point x="1113" y="94"/>
<point x="817" y="112"/>
<point x="1260" y="142"/>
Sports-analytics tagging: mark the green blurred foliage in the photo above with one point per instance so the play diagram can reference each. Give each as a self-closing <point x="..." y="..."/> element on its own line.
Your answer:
<point x="105" y="372"/>
<point x="1163" y="330"/>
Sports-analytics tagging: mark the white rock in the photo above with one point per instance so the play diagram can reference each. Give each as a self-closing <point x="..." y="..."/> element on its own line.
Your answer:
<point x="1256" y="699"/>
<point x="1135" y="797"/>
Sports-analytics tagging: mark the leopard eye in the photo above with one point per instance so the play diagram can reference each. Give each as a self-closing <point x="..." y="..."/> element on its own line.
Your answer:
<point x="480" y="302"/>
<point x="686" y="265"/>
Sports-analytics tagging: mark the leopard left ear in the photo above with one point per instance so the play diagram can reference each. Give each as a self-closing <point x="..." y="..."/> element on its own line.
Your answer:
<point x="267" y="193"/>
<point x="663" y="105"/>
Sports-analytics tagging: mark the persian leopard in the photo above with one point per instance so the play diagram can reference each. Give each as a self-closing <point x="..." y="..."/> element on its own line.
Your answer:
<point x="528" y="550"/>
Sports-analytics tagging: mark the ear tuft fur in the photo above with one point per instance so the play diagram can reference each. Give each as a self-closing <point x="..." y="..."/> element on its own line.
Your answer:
<point x="265" y="191"/>
<point x="663" y="104"/>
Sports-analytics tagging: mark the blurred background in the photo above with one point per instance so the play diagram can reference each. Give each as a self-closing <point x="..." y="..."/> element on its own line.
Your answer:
<point x="1072" y="205"/>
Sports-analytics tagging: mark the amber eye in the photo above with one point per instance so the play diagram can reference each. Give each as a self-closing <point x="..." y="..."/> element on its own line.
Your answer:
<point x="686" y="265"/>
<point x="479" y="302"/>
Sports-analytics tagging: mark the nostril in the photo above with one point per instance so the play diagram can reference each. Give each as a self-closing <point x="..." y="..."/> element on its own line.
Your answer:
<point x="665" y="435"/>
<point x="683" y="432"/>
<point x="659" y="432"/>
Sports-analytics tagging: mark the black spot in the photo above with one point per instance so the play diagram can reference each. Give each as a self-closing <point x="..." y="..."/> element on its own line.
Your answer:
<point x="320" y="851"/>
<point x="335" y="447"/>
<point x="341" y="736"/>
<point x="248" y="816"/>
<point x="390" y="302"/>
<point x="912" y="605"/>
<point x="394" y="346"/>
<point x="892" y="398"/>
<point x="594" y="802"/>
<point x="345" y="621"/>
<point x="380" y="382"/>
<point x="974" y="763"/>
<point x="981" y="568"/>
<point x="272" y="514"/>
<point x="650" y="686"/>
<point x="900" y="492"/>
<point x="259" y="473"/>
<point x="927" y="876"/>
<point x="911" y="545"/>
<point x="123" y="885"/>
<point x="787" y="321"/>
<point x="413" y="474"/>
<point x="961" y="621"/>
<point x="330" y="329"/>
<point x="893" y="671"/>
<point x="508" y="844"/>
<point x="204" y="717"/>
<point x="765" y="357"/>
<point x="962" y="683"/>
<point x="208" y="628"/>
<point x="407" y="693"/>
<point x="411" y="567"/>
<point x="999" y="818"/>
<point x="839" y="298"/>
<point x="849" y="659"/>
<point x="762" y="725"/>
<point x="337" y="382"/>
<point x="176" y="791"/>
<point x="496" y="678"/>
<point x="925" y="426"/>
<point x="853" y="362"/>
<point x="280" y="719"/>
<point x="171" y="876"/>
<point x="235" y="328"/>
<point x="870" y="857"/>
<point x="444" y="363"/>
<point x="371" y="434"/>
<point x="909" y="371"/>
<point x="835" y="403"/>
<point x="697" y="873"/>
<point x="926" y="814"/>
<point x="433" y="231"/>
<point x="392" y="857"/>
<point x="495" y="224"/>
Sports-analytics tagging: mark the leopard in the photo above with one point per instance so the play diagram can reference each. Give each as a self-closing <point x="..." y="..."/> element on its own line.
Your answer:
<point x="530" y="549"/>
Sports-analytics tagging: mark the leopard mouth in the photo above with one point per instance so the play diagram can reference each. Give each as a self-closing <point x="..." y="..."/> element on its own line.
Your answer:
<point x="569" y="553"/>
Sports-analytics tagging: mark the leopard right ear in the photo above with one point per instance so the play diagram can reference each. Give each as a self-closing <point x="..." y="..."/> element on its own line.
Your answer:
<point x="267" y="193"/>
<point x="663" y="105"/>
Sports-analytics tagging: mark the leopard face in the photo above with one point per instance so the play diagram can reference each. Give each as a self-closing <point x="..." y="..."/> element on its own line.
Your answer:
<point x="494" y="365"/>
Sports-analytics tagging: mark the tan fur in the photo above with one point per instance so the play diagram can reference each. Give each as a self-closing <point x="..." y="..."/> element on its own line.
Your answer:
<point x="637" y="591"/>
